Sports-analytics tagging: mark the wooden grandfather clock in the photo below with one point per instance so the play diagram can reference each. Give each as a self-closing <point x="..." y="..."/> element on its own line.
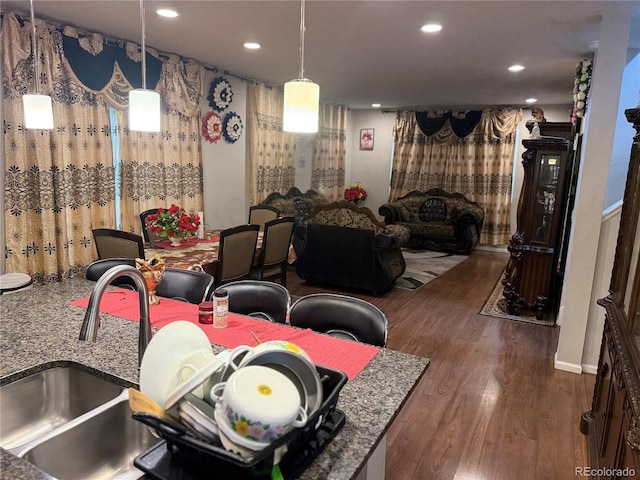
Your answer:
<point x="531" y="277"/>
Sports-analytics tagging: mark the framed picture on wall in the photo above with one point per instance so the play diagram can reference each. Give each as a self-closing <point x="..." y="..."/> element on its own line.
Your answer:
<point x="366" y="139"/>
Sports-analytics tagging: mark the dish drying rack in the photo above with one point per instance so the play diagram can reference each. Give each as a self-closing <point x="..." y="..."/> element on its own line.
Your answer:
<point x="182" y="455"/>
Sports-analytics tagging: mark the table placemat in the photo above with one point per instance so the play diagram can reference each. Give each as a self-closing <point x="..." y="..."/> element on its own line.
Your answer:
<point x="350" y="357"/>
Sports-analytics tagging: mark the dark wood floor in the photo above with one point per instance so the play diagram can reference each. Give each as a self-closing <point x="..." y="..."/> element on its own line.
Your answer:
<point x="490" y="406"/>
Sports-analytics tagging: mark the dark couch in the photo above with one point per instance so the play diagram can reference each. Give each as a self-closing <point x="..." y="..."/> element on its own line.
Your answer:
<point x="346" y="246"/>
<point x="437" y="220"/>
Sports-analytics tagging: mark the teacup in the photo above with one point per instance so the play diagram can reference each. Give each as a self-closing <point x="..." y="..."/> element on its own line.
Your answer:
<point x="258" y="405"/>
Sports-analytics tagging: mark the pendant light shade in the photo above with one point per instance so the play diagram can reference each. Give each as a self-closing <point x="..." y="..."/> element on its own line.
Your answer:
<point x="144" y="105"/>
<point x="144" y="110"/>
<point x="301" y="96"/>
<point x="38" y="111"/>
<point x="301" y="102"/>
<point x="38" y="108"/>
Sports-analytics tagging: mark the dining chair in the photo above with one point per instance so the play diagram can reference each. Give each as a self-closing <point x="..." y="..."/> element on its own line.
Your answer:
<point x="185" y="285"/>
<point x="98" y="268"/>
<point x="236" y="253"/>
<point x="147" y="234"/>
<point x="273" y="258"/>
<point x="111" y="243"/>
<point x="340" y="316"/>
<point x="261" y="214"/>
<point x="264" y="300"/>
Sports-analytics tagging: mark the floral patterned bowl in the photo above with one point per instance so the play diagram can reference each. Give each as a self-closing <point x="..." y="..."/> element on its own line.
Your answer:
<point x="257" y="405"/>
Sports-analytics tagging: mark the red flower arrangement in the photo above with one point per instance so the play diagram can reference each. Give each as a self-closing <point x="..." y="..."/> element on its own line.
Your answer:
<point x="174" y="222"/>
<point x="355" y="192"/>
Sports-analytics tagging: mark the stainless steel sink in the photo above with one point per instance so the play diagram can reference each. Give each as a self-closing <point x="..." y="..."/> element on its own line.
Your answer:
<point x="42" y="402"/>
<point x="100" y="447"/>
<point x="72" y="424"/>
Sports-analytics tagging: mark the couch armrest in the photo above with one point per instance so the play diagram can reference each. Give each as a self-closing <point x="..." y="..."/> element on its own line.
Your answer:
<point x="384" y="241"/>
<point x="389" y="212"/>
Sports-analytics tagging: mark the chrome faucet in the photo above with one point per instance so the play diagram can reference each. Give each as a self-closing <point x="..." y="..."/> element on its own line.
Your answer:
<point x="91" y="322"/>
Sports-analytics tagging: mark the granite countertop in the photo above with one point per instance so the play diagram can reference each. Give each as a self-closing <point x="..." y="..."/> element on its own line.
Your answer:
<point x="39" y="329"/>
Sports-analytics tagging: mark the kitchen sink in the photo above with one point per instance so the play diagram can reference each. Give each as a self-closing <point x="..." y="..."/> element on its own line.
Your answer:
<point x="42" y="402"/>
<point x="72" y="424"/>
<point x="102" y="446"/>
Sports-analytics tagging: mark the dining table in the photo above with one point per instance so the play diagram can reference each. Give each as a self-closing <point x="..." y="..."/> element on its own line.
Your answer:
<point x="200" y="254"/>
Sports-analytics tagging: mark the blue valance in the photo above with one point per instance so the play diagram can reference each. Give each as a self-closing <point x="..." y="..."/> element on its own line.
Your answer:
<point x="96" y="71"/>
<point x="461" y="126"/>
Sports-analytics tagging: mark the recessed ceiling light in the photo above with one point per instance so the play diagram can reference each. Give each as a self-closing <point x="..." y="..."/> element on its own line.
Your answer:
<point x="375" y="105"/>
<point x="167" y="12"/>
<point x="431" y="28"/>
<point x="516" y="68"/>
<point x="531" y="100"/>
<point x="252" y="45"/>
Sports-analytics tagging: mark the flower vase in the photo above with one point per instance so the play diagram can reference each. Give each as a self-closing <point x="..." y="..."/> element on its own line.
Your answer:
<point x="175" y="241"/>
<point x="152" y="271"/>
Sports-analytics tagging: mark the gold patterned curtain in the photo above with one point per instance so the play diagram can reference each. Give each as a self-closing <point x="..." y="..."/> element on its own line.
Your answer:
<point x="271" y="151"/>
<point x="60" y="182"/>
<point x="327" y="176"/>
<point x="479" y="165"/>
<point x="158" y="169"/>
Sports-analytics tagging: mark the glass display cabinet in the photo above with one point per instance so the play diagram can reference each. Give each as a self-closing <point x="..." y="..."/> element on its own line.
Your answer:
<point x="530" y="276"/>
<point x="613" y="423"/>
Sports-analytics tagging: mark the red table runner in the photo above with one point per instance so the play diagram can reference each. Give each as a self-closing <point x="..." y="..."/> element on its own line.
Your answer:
<point x="350" y="357"/>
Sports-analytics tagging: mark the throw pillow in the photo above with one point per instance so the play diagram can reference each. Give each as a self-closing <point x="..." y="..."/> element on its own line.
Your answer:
<point x="433" y="210"/>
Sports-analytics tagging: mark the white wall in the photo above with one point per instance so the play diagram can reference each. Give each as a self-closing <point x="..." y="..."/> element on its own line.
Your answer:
<point x="580" y="273"/>
<point x="372" y="168"/>
<point x="224" y="165"/>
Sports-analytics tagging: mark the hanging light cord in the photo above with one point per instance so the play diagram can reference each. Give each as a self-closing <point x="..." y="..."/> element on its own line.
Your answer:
<point x="143" y="48"/>
<point x="302" y="29"/>
<point x="34" y="47"/>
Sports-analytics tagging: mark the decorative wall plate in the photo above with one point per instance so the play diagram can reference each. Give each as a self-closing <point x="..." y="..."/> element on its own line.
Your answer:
<point x="220" y="94"/>
<point x="212" y="127"/>
<point x="232" y="127"/>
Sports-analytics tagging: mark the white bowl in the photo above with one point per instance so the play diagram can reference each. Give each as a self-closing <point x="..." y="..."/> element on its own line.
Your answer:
<point x="164" y="356"/>
<point x="294" y="366"/>
<point x="258" y="405"/>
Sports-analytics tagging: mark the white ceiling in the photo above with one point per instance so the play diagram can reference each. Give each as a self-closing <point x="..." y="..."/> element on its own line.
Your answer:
<point x="361" y="52"/>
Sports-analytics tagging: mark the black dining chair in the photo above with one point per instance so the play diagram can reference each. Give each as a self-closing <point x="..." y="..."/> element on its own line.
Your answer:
<point x="147" y="234"/>
<point x="186" y="285"/>
<point x="111" y="243"/>
<point x="261" y="214"/>
<point x="98" y="268"/>
<point x="264" y="300"/>
<point x="236" y="253"/>
<point x="341" y="316"/>
<point x="274" y="255"/>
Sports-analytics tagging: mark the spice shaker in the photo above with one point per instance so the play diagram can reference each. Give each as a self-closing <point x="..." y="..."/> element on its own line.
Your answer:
<point x="205" y="312"/>
<point x="220" y="308"/>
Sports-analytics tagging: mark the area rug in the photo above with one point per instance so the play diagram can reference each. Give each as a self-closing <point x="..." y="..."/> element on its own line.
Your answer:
<point x="496" y="306"/>
<point x="424" y="266"/>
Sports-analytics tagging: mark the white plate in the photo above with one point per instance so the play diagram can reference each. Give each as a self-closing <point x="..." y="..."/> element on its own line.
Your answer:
<point x="164" y="355"/>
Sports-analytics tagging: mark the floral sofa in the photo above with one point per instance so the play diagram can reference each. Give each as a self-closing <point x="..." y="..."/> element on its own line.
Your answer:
<point x="344" y="245"/>
<point x="437" y="220"/>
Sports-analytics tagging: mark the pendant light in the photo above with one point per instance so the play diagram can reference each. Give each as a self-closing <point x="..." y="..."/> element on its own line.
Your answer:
<point x="301" y="96"/>
<point x="144" y="105"/>
<point x="38" y="109"/>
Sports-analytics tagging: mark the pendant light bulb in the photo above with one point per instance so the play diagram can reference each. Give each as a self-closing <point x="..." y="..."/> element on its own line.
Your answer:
<point x="144" y="104"/>
<point x="301" y="96"/>
<point x="38" y="108"/>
